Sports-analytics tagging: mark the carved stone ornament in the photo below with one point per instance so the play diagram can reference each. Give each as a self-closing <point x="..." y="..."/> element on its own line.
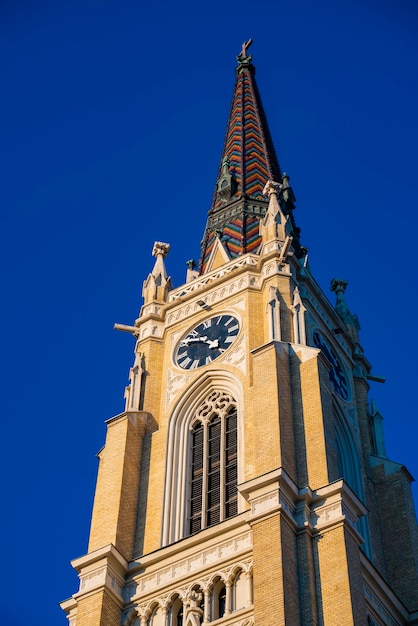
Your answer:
<point x="160" y="248"/>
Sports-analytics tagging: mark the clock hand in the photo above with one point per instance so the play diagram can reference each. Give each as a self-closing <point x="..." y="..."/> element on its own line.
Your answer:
<point x="213" y="344"/>
<point x="203" y="339"/>
<point x="189" y="340"/>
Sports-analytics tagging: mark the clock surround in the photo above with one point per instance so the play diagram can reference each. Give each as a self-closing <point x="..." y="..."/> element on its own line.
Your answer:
<point x="206" y="341"/>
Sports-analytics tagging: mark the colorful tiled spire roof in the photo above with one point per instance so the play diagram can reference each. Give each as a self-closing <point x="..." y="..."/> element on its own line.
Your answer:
<point x="248" y="161"/>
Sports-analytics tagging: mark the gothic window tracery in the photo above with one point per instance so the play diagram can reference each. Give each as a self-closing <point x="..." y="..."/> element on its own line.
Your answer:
<point x="204" y="444"/>
<point x="214" y="469"/>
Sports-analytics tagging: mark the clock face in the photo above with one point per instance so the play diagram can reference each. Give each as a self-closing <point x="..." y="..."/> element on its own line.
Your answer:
<point x="336" y="373"/>
<point x="206" y="342"/>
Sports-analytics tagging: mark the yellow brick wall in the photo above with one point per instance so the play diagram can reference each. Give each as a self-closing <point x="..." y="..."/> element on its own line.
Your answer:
<point x="155" y="494"/>
<point x="275" y="573"/>
<point x="254" y="317"/>
<point x="98" y="609"/>
<point x="153" y="351"/>
<point x="269" y="431"/>
<point x="115" y="503"/>
<point x="262" y="432"/>
<point x="313" y="426"/>
<point x="268" y="572"/>
<point x="336" y="583"/>
<point x="278" y="389"/>
<point x="307" y="591"/>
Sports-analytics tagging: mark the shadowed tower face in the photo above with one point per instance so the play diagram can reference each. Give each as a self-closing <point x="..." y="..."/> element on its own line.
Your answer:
<point x="246" y="481"/>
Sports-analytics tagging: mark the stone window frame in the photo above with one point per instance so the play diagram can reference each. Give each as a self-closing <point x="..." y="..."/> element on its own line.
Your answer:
<point x="212" y="422"/>
<point x="177" y="470"/>
<point x="348" y="458"/>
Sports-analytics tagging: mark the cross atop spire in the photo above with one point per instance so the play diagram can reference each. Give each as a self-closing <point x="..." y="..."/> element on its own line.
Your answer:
<point x="243" y="57"/>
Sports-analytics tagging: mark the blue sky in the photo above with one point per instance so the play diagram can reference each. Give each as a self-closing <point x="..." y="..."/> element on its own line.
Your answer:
<point x="112" y="123"/>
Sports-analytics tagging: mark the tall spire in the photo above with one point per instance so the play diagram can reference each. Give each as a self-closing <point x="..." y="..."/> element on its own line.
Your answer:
<point x="248" y="161"/>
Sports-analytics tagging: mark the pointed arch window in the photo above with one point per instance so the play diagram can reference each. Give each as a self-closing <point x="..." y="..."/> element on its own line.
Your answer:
<point x="176" y="614"/>
<point x="350" y="470"/>
<point x="213" y="467"/>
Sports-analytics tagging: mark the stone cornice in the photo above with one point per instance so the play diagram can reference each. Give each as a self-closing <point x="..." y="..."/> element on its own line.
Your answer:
<point x="104" y="568"/>
<point x="192" y="557"/>
<point x="189" y="545"/>
<point x="270" y="493"/>
<point x="319" y="510"/>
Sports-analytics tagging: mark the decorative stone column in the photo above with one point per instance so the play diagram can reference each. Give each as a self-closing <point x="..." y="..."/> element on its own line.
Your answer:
<point x="206" y="609"/>
<point x="228" y="589"/>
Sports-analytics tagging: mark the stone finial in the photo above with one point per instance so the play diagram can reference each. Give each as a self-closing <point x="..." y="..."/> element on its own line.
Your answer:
<point x="226" y="185"/>
<point x="158" y="283"/>
<point x="298" y="310"/>
<point x="134" y="390"/>
<point x="275" y="225"/>
<point x="271" y="187"/>
<point x="339" y="286"/>
<point x="160" y="248"/>
<point x="351" y="320"/>
<point x="192" y="273"/>
<point x="379" y="440"/>
<point x="287" y="196"/>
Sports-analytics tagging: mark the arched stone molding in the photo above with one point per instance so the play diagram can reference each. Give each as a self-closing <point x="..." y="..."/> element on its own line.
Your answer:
<point x="240" y="579"/>
<point x="220" y="599"/>
<point x="349" y="467"/>
<point x="194" y="586"/>
<point x="177" y="457"/>
<point x="214" y="578"/>
<point x="347" y="452"/>
<point x="175" y="608"/>
<point x="172" y="597"/>
<point x="154" y="613"/>
<point x="242" y="566"/>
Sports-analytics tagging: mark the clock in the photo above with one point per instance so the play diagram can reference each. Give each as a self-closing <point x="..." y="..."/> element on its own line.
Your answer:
<point x="206" y="342"/>
<point x="336" y="373"/>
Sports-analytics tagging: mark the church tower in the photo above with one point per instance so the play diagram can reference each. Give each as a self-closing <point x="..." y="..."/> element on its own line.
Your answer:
<point x="246" y="482"/>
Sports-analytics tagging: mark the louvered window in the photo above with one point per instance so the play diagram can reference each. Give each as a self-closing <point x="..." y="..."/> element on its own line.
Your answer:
<point x="213" y="476"/>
